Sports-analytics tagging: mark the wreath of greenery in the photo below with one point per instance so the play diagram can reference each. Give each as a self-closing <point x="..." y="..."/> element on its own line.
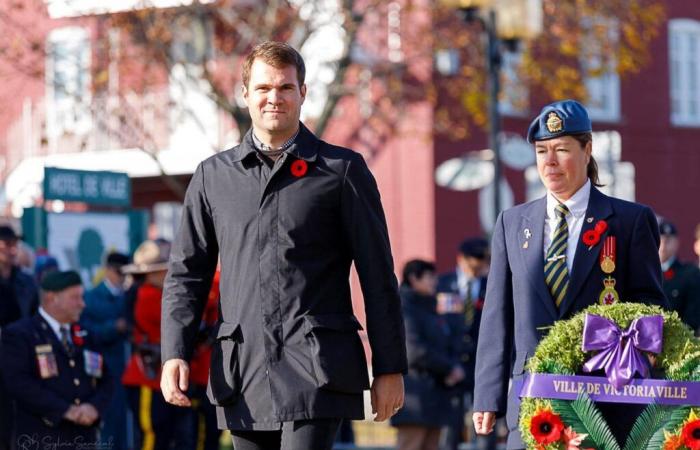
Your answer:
<point x="547" y="424"/>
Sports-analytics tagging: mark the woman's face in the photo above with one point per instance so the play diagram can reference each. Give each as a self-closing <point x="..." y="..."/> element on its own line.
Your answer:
<point x="426" y="284"/>
<point x="562" y="164"/>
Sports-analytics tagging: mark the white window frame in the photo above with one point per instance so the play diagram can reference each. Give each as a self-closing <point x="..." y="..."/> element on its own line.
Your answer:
<point x="603" y="102"/>
<point x="684" y="72"/>
<point x="68" y="112"/>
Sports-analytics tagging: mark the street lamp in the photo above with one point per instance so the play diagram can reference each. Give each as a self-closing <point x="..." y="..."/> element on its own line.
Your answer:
<point x="517" y="19"/>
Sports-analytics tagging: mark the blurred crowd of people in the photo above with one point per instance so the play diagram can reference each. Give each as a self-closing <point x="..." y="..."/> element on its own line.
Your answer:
<point x="119" y="318"/>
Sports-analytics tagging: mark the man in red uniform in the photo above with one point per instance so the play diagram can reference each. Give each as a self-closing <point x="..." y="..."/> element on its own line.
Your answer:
<point x="156" y="421"/>
<point x="205" y="430"/>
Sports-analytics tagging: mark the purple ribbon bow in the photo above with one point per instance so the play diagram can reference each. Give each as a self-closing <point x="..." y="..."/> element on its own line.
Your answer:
<point x="620" y="353"/>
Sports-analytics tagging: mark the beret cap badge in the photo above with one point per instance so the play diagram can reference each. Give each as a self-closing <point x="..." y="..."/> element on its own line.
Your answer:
<point x="554" y="122"/>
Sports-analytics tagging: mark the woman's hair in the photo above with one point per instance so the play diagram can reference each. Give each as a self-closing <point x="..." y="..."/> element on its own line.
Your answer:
<point x="592" y="169"/>
<point x="416" y="268"/>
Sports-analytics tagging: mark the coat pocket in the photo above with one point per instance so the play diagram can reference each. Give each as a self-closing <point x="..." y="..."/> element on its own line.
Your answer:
<point x="224" y="375"/>
<point x="337" y="354"/>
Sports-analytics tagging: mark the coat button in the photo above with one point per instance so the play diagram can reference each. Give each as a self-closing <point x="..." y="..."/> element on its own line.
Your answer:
<point x="71" y="363"/>
<point x="76" y="381"/>
<point x="76" y="401"/>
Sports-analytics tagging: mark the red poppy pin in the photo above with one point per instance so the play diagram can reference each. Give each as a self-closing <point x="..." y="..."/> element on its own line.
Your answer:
<point x="78" y="335"/>
<point x="299" y="168"/>
<point x="669" y="274"/>
<point x="601" y="226"/>
<point x="592" y="237"/>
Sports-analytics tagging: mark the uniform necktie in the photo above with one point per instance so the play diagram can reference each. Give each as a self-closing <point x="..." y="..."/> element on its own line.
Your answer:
<point x="556" y="274"/>
<point x="66" y="341"/>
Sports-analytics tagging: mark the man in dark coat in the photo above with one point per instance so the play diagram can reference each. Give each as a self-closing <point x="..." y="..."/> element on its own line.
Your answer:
<point x="19" y="298"/>
<point x="681" y="280"/>
<point x="287" y="214"/>
<point x="53" y="371"/>
<point x="432" y="366"/>
<point x="104" y="318"/>
<point x="461" y="294"/>
<point x="546" y="263"/>
<point x="24" y="298"/>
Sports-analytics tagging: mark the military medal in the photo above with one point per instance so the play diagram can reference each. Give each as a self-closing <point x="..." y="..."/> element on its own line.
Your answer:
<point x="46" y="361"/>
<point x="93" y="363"/>
<point x="607" y="255"/>
<point x="609" y="295"/>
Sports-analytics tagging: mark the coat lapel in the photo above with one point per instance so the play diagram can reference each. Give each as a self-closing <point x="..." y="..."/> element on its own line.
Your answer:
<point x="599" y="208"/>
<point x="532" y="253"/>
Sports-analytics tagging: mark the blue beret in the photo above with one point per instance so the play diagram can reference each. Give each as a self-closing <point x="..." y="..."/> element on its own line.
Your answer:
<point x="559" y="119"/>
<point x="58" y="281"/>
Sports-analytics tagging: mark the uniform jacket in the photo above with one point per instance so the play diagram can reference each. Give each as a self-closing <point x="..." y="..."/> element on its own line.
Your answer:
<point x="41" y="403"/>
<point x="143" y="367"/>
<point x="464" y="326"/>
<point x="682" y="287"/>
<point x="427" y="399"/>
<point x="287" y="343"/>
<point x="102" y="310"/>
<point x="518" y="306"/>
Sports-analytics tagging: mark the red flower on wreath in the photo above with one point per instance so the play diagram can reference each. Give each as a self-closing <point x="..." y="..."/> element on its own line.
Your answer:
<point x="590" y="238"/>
<point x="546" y="427"/>
<point x="299" y="168"/>
<point x="78" y="334"/>
<point x="691" y="434"/>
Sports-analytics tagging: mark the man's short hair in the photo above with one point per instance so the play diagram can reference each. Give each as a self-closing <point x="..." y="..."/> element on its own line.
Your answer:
<point x="416" y="268"/>
<point x="276" y="54"/>
<point x="475" y="247"/>
<point x="116" y="260"/>
<point x="7" y="233"/>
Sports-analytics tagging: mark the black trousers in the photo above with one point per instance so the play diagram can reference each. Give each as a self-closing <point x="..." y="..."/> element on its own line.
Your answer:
<point x="313" y="434"/>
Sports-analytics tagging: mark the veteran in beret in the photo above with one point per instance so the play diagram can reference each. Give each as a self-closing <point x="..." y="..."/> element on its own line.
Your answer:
<point x="56" y="376"/>
<point x="555" y="256"/>
<point x="681" y="280"/>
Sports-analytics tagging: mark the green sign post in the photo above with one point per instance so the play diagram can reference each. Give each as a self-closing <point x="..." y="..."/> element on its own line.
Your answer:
<point x="96" y="188"/>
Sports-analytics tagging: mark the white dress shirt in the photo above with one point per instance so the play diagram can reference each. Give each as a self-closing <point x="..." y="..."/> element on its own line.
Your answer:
<point x="54" y="324"/>
<point x="577" y="204"/>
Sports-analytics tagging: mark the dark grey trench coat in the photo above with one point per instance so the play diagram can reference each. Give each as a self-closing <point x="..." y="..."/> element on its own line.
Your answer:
<point x="287" y="344"/>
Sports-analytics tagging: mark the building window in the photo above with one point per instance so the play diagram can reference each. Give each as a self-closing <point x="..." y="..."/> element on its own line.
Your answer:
<point x="514" y="93"/>
<point x="600" y="75"/>
<point x="68" y="81"/>
<point x="684" y="56"/>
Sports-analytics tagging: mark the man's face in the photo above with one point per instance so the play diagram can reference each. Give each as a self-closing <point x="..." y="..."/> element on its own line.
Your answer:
<point x="426" y="284"/>
<point x="562" y="165"/>
<point x="68" y="304"/>
<point x="8" y="252"/>
<point x="274" y="98"/>
<point x="115" y="276"/>
<point x="472" y="266"/>
<point x="668" y="247"/>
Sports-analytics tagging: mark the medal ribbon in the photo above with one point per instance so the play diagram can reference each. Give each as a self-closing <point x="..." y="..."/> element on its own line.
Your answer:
<point x="608" y="249"/>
